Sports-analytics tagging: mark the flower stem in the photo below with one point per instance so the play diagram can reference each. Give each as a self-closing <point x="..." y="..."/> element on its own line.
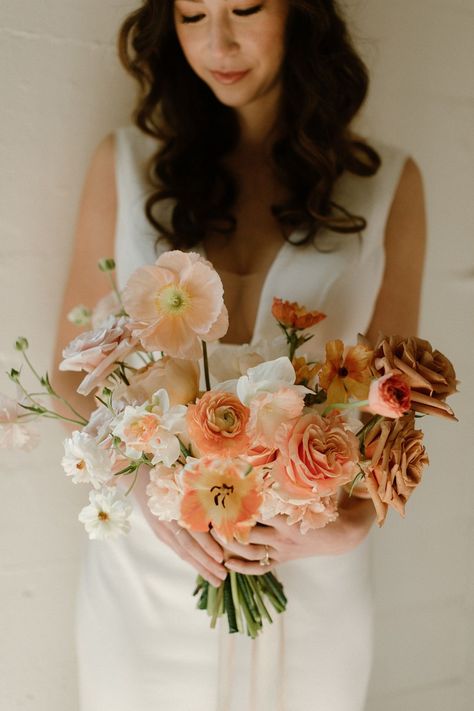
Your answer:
<point x="344" y="405"/>
<point x="206" y="365"/>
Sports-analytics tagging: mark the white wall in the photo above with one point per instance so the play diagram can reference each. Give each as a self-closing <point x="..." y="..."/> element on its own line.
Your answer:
<point x="62" y="90"/>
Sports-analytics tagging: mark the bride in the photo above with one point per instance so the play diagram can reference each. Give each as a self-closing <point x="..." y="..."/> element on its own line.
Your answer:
<point x="242" y="149"/>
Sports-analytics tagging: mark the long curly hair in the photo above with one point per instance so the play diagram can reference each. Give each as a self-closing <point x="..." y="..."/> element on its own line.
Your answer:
<point x="324" y="84"/>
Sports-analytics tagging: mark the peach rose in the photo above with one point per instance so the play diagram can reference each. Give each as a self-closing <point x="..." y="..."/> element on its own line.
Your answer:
<point x="217" y="424"/>
<point x="389" y="395"/>
<point x="317" y="455"/>
<point x="395" y="459"/>
<point x="180" y="379"/>
<point x="429" y="373"/>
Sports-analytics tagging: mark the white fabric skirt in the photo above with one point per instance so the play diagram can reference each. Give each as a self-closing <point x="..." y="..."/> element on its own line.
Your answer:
<point x="143" y="646"/>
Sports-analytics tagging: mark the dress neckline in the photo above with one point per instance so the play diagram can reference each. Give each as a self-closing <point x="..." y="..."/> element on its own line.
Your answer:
<point x="266" y="284"/>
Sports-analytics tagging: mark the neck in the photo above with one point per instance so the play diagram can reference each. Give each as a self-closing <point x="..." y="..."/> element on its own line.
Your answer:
<point x="258" y="124"/>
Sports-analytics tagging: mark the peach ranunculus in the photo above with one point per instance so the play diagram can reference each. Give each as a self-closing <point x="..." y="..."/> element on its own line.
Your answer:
<point x="180" y="379"/>
<point x="317" y="456"/>
<point x="221" y="493"/>
<point x="270" y="410"/>
<point x="394" y="461"/>
<point x="176" y="303"/>
<point x="389" y="395"/>
<point x="346" y="373"/>
<point x="430" y="374"/>
<point x="217" y="424"/>
<point x="291" y="315"/>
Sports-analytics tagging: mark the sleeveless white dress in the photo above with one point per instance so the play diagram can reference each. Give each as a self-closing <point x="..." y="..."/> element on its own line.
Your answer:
<point x="141" y="644"/>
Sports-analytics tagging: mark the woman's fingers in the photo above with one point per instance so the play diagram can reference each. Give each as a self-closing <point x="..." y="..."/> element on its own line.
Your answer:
<point x="247" y="551"/>
<point x="248" y="567"/>
<point x="196" y="551"/>
<point x="210" y="545"/>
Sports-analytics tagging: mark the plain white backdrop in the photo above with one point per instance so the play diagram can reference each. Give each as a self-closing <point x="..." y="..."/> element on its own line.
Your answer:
<point x="62" y="90"/>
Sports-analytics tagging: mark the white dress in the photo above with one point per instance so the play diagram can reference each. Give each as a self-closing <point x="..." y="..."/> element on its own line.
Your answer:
<point x="141" y="644"/>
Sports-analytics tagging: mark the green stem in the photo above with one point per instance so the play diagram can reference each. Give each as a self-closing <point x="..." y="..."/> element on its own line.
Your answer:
<point x="117" y="293"/>
<point x="344" y="405"/>
<point x="235" y="596"/>
<point x="206" y="365"/>
<point x="217" y="605"/>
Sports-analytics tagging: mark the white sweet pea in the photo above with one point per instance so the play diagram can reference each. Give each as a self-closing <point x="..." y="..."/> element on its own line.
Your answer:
<point x="165" y="492"/>
<point x="85" y="461"/>
<point x="107" y="514"/>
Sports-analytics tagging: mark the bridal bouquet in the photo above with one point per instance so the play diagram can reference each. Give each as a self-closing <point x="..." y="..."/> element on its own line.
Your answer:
<point x="271" y="433"/>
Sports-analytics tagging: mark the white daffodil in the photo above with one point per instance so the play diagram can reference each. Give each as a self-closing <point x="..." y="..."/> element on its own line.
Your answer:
<point x="107" y="514"/>
<point x="85" y="461"/>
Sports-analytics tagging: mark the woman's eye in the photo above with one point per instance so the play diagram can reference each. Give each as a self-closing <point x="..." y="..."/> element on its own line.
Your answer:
<point x="248" y="11"/>
<point x="240" y="13"/>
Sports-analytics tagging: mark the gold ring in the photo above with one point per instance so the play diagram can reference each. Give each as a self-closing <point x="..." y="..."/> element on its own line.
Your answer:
<point x="266" y="558"/>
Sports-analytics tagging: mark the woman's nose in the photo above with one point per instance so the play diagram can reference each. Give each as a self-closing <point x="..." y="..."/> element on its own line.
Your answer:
<point x="222" y="40"/>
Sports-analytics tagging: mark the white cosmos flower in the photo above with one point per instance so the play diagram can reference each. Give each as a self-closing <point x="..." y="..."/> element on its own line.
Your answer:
<point x="85" y="461"/>
<point x="107" y="514"/>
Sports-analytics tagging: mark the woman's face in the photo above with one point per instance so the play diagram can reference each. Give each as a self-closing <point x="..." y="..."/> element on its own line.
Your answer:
<point x="233" y="36"/>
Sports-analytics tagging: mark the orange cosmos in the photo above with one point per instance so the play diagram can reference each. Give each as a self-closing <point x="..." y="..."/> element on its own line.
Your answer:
<point x="345" y="375"/>
<point x="292" y="315"/>
<point x="177" y="303"/>
<point x="221" y="493"/>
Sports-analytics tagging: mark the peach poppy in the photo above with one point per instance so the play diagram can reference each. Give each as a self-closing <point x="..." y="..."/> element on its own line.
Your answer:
<point x="345" y="375"/>
<point x="177" y="303"/>
<point x="217" y="424"/>
<point x="221" y="493"/>
<point x="292" y="315"/>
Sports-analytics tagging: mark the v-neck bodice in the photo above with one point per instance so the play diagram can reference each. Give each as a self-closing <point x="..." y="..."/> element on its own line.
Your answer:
<point x="339" y="274"/>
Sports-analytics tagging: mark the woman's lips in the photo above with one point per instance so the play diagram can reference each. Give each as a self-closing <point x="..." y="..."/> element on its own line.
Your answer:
<point x="229" y="78"/>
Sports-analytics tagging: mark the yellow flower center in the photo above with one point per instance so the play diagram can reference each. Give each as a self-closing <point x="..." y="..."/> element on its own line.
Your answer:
<point x="103" y="516"/>
<point x="172" y="300"/>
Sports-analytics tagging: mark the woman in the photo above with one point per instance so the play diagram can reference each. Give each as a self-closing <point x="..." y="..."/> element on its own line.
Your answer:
<point x="243" y="151"/>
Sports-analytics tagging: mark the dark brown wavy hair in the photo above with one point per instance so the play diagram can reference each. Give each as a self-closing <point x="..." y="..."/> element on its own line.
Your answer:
<point x="324" y="81"/>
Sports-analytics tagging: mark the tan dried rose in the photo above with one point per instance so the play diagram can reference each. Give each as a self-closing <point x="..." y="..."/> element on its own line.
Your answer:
<point x="394" y="461"/>
<point x="430" y="374"/>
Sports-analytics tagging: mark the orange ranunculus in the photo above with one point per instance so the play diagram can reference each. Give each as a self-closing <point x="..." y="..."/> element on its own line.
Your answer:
<point x="305" y="372"/>
<point x="217" y="424"/>
<point x="220" y="493"/>
<point x="176" y="303"/>
<point x="345" y="375"/>
<point x="292" y="315"/>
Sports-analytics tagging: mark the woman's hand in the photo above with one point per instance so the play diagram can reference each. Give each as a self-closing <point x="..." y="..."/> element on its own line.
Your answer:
<point x="200" y="550"/>
<point x="284" y="542"/>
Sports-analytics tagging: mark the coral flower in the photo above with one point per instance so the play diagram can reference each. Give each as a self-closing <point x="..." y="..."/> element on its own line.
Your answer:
<point x="217" y="424"/>
<point x="345" y="375"/>
<point x="176" y="303"/>
<point x="292" y="315"/>
<point x="389" y="395"/>
<point x="220" y="493"/>
<point x="305" y="371"/>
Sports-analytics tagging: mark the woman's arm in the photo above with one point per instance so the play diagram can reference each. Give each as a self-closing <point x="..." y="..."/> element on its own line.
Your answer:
<point x="396" y="312"/>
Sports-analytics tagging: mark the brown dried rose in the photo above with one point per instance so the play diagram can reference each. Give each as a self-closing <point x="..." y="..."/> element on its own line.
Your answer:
<point x="394" y="461"/>
<point x="430" y="374"/>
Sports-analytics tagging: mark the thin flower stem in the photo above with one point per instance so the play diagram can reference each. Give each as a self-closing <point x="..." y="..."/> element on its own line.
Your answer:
<point x="206" y="365"/>
<point x="117" y="293"/>
<point x="51" y="413"/>
<point x="31" y="366"/>
<point x="133" y="482"/>
<point x="84" y="421"/>
<point x="344" y="405"/>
